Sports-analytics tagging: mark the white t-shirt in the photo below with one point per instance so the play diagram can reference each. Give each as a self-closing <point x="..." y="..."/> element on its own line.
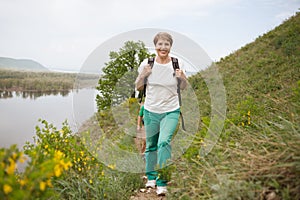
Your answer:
<point x="161" y="91"/>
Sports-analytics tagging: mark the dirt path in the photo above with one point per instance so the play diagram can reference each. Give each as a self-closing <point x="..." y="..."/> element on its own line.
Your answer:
<point x="147" y="194"/>
<point x="144" y="194"/>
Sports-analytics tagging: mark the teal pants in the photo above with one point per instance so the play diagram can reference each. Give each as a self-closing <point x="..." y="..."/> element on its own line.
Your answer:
<point x="159" y="131"/>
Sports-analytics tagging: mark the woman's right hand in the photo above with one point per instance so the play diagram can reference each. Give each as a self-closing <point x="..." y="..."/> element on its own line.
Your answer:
<point x="140" y="81"/>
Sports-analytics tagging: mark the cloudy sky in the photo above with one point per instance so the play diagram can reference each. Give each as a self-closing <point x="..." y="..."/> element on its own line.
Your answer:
<point x="61" y="34"/>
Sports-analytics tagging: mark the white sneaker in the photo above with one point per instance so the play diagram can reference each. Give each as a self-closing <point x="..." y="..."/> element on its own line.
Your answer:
<point x="151" y="184"/>
<point x="161" y="190"/>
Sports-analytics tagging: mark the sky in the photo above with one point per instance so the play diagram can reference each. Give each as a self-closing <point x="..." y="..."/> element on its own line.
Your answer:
<point x="61" y="34"/>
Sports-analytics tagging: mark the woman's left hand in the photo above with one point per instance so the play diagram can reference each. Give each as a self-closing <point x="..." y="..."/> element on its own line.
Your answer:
<point x="183" y="80"/>
<point x="180" y="74"/>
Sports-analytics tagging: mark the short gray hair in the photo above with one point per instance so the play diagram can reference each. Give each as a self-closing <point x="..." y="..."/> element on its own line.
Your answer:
<point x="163" y="35"/>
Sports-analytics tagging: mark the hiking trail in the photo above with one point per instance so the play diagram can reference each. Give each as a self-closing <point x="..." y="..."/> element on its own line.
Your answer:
<point x="144" y="193"/>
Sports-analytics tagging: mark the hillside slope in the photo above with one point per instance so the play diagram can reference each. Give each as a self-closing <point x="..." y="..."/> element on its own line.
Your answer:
<point x="21" y="64"/>
<point x="267" y="69"/>
<point x="258" y="154"/>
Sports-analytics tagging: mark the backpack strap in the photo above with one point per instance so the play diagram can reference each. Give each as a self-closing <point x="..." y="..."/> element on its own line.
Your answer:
<point x="176" y="66"/>
<point x="175" y="63"/>
<point x="151" y="63"/>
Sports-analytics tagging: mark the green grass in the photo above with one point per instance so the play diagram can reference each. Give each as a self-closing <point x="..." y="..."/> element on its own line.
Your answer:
<point x="258" y="152"/>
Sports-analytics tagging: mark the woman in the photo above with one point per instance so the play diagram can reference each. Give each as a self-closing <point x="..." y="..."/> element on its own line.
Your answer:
<point x="161" y="106"/>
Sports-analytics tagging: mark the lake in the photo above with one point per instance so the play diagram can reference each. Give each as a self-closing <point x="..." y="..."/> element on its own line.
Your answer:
<point x="20" y="112"/>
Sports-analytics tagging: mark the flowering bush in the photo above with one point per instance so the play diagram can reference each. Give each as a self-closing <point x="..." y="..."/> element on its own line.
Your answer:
<point x="37" y="176"/>
<point x="59" y="166"/>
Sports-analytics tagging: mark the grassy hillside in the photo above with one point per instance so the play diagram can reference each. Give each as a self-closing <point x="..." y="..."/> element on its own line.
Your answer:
<point x="258" y="153"/>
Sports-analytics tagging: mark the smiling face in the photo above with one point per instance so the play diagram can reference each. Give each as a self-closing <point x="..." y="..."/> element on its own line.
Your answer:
<point x="162" y="48"/>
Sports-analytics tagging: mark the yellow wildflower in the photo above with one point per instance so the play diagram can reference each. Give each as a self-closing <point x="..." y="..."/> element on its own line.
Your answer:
<point x="11" y="168"/>
<point x="22" y="158"/>
<point x="58" y="155"/>
<point x="42" y="185"/>
<point x="7" y="188"/>
<point x="65" y="165"/>
<point x="22" y="182"/>
<point x="46" y="146"/>
<point x="49" y="183"/>
<point x="102" y="173"/>
<point x="111" y="166"/>
<point x="14" y="155"/>
<point x="57" y="170"/>
<point x="91" y="181"/>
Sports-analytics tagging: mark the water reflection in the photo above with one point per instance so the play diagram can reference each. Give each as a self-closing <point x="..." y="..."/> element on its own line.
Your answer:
<point x="31" y="94"/>
<point x="19" y="116"/>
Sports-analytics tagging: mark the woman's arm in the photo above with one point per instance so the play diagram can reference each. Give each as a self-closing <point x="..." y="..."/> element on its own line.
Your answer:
<point x="139" y="83"/>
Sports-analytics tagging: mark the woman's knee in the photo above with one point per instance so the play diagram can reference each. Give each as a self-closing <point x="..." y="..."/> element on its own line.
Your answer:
<point x="151" y="144"/>
<point x="163" y="144"/>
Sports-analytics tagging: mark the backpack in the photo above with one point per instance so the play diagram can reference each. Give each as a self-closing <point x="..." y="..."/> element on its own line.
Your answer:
<point x="175" y="66"/>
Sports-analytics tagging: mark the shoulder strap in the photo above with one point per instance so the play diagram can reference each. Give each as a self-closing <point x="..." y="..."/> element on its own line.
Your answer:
<point x="175" y="63"/>
<point x="176" y="66"/>
<point x="151" y="61"/>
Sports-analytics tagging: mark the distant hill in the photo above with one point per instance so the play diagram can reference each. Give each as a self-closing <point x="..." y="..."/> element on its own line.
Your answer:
<point x="21" y="64"/>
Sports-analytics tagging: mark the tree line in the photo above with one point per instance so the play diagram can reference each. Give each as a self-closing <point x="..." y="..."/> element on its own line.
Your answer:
<point x="11" y="80"/>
